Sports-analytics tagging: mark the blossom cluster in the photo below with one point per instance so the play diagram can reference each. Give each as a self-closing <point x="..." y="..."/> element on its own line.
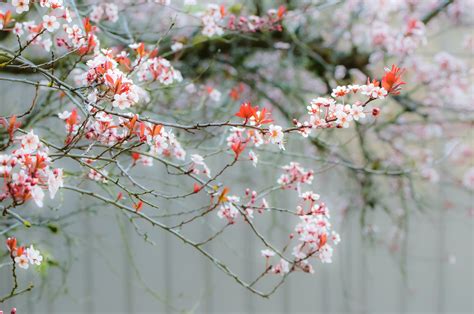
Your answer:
<point x="383" y="36"/>
<point x="314" y="231"/>
<point x="23" y="257"/>
<point x="328" y="112"/>
<point x="447" y="79"/>
<point x="230" y="204"/>
<point x="199" y="166"/>
<point x="26" y="172"/>
<point x="37" y="33"/>
<point x="158" y="69"/>
<point x="216" y="20"/>
<point x="324" y="112"/>
<point x="315" y="236"/>
<point x="240" y="137"/>
<point x="228" y="209"/>
<point x="104" y="11"/>
<point x="398" y="27"/>
<point x="109" y="129"/>
<point x="111" y="83"/>
<point x="105" y="68"/>
<point x="294" y="175"/>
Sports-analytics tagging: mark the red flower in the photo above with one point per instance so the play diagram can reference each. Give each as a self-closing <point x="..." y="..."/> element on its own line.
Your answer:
<point x="124" y="61"/>
<point x="86" y="22"/>
<point x="223" y="197"/>
<point x="131" y="124"/>
<point x="153" y="131"/>
<point x="140" y="49"/>
<point x="281" y="11"/>
<point x="10" y="125"/>
<point x="19" y="251"/>
<point x="235" y="92"/>
<point x="72" y="120"/>
<point x="196" y="188"/>
<point x="7" y="18"/>
<point x="135" y="157"/>
<point x="246" y="111"/>
<point x="91" y="44"/>
<point x="238" y="148"/>
<point x="261" y="117"/>
<point x="222" y="10"/>
<point x="40" y="162"/>
<point x="392" y="81"/>
<point x="11" y="244"/>
<point x="138" y="206"/>
<point x="373" y="82"/>
<point x="322" y="240"/>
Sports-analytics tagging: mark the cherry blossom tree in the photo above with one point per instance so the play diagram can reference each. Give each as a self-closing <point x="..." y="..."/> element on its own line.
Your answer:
<point x="206" y="91"/>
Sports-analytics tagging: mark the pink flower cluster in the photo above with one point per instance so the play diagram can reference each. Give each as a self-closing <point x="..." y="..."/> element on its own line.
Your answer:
<point x="109" y="130"/>
<point x="314" y="232"/>
<point x="163" y="143"/>
<point x="396" y="42"/>
<point x="241" y="137"/>
<point x="447" y="79"/>
<point x="199" y="166"/>
<point x="104" y="11"/>
<point x="158" y="69"/>
<point x="105" y="76"/>
<point x="229" y="208"/>
<point x="23" y="257"/>
<point x="111" y="83"/>
<point x="216" y="19"/>
<point x="26" y="172"/>
<point x="84" y="42"/>
<point x="270" y="22"/>
<point x="327" y="112"/>
<point x="294" y="176"/>
<point x="52" y="14"/>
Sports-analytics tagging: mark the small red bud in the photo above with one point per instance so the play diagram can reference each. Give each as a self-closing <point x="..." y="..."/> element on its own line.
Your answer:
<point x="13" y="311"/>
<point x="11" y="244"/>
<point x="375" y="111"/>
<point x="138" y="206"/>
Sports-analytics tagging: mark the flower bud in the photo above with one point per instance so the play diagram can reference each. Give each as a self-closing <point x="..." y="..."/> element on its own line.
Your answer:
<point x="375" y="111"/>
